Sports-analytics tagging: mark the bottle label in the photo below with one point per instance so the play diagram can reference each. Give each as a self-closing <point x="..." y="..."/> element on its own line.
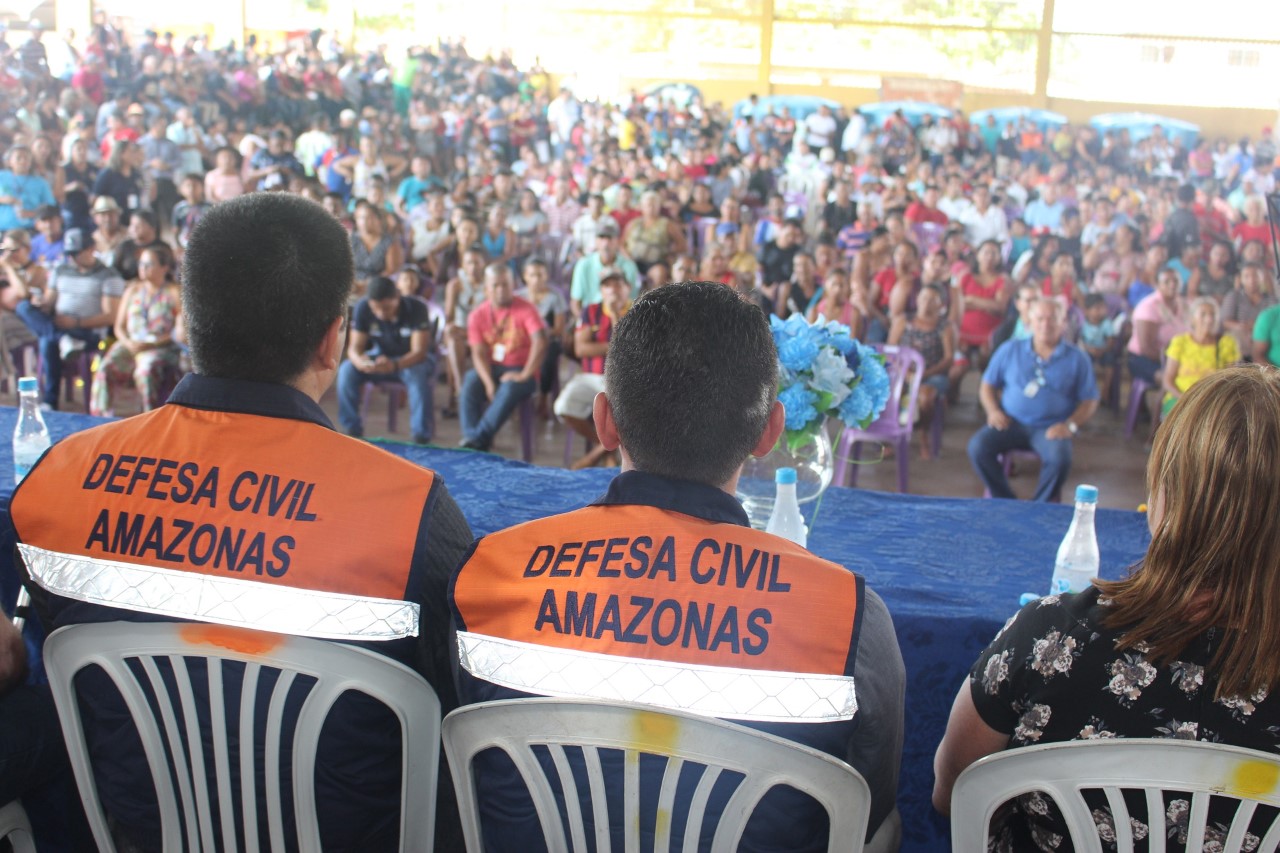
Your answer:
<point x="1060" y="586"/>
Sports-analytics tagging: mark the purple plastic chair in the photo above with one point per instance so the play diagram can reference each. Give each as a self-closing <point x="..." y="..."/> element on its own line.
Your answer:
<point x="927" y="235"/>
<point x="1137" y="395"/>
<point x="397" y="394"/>
<point x="527" y="419"/>
<point x="890" y="428"/>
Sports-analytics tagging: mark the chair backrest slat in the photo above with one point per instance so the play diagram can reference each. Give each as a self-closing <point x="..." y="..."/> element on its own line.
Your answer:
<point x="631" y="801"/>
<point x="248" y="751"/>
<point x="1120" y="817"/>
<point x="1240" y="825"/>
<point x="1197" y="820"/>
<point x="1155" y="806"/>
<point x="666" y="803"/>
<point x="271" y="759"/>
<point x="175" y="749"/>
<point x="698" y="808"/>
<point x="195" y="757"/>
<point x="1270" y="841"/>
<point x="177" y="754"/>
<point x="520" y="727"/>
<point x="578" y="835"/>
<point x="599" y="797"/>
<point x="221" y="756"/>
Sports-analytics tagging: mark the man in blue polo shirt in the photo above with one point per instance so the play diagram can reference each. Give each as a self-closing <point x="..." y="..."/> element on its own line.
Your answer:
<point x="1037" y="393"/>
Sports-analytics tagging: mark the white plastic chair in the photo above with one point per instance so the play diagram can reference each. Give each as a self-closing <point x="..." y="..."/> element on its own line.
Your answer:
<point x="16" y="829"/>
<point x="517" y="726"/>
<point x="1199" y="771"/>
<point x="135" y="657"/>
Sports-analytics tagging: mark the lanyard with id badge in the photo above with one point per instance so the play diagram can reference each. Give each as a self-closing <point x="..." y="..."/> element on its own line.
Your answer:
<point x="1037" y="382"/>
<point x="499" y="334"/>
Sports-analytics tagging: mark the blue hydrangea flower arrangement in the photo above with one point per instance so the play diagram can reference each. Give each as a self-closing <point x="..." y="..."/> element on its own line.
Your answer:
<point x="823" y="371"/>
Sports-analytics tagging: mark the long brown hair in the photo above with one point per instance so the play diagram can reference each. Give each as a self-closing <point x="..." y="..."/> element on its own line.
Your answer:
<point x="1214" y="558"/>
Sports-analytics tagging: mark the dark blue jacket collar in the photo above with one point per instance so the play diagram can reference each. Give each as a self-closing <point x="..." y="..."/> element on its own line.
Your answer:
<point x="247" y="397"/>
<point x="696" y="499"/>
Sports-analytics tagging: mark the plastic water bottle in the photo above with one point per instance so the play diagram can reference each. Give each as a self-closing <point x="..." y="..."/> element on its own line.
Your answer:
<point x="30" y="436"/>
<point x="1077" y="562"/>
<point x="786" y="520"/>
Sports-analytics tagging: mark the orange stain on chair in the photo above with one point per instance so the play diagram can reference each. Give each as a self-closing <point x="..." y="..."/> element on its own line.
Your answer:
<point x="243" y="640"/>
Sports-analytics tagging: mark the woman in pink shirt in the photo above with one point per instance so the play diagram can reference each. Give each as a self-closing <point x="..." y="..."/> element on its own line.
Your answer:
<point x="1157" y="319"/>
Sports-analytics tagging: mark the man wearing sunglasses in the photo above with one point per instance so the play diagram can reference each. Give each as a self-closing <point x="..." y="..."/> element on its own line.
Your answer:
<point x="1037" y="393"/>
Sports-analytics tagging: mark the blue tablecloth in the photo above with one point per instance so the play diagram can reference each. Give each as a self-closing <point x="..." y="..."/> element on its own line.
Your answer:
<point x="950" y="570"/>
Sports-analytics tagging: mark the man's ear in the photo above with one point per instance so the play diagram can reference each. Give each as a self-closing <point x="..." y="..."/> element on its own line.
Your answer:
<point x="606" y="428"/>
<point x="773" y="429"/>
<point x="329" y="353"/>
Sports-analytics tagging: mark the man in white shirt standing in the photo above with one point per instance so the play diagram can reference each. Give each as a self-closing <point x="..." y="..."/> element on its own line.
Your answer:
<point x="820" y="128"/>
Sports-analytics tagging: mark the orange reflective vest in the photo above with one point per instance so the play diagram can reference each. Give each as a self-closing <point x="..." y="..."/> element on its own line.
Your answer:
<point x="231" y="518"/>
<point x="642" y="604"/>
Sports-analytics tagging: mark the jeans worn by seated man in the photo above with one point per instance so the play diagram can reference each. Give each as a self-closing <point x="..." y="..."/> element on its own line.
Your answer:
<point x="1036" y="393"/>
<point x="391" y="340"/>
<point x="507" y="336"/>
<point x="82" y="299"/>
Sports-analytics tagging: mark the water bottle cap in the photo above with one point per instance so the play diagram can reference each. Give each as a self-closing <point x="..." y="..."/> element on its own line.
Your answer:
<point x="785" y="476"/>
<point x="1087" y="494"/>
<point x="28" y="385"/>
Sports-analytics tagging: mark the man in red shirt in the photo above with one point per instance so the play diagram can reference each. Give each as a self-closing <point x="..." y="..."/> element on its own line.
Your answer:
<point x="926" y="209"/>
<point x="508" y="338"/>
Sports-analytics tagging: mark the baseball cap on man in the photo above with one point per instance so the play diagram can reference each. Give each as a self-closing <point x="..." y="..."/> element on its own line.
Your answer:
<point x="607" y="273"/>
<point x="105" y="204"/>
<point x="607" y="228"/>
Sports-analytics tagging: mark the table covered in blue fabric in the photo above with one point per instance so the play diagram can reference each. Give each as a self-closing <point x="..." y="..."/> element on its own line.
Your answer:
<point x="950" y="570"/>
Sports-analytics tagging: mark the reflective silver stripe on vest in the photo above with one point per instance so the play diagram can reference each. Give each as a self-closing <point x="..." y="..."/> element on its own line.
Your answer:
<point x="224" y="601"/>
<point x="714" y="691"/>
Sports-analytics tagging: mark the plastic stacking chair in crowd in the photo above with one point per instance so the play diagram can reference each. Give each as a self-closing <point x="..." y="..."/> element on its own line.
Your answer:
<point x="1153" y="772"/>
<point x="1137" y="399"/>
<point x="144" y="660"/>
<point x="397" y="397"/>
<point x="569" y="732"/>
<point x="895" y="423"/>
<point x="928" y="236"/>
<point x="16" y="829"/>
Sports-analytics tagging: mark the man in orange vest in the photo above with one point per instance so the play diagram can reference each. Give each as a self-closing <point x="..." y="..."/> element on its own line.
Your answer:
<point x="237" y="503"/>
<point x="660" y="593"/>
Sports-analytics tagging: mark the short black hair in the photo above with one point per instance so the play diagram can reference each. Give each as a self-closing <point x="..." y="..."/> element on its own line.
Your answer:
<point x="380" y="288"/>
<point x="264" y="277"/>
<point x="692" y="374"/>
<point x="1094" y="299"/>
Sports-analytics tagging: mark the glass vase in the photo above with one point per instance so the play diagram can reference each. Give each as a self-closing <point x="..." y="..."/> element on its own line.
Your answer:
<point x="814" y="461"/>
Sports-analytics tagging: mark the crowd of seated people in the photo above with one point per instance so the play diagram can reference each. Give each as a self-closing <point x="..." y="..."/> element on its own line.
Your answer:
<point x="529" y="221"/>
<point x="476" y="162"/>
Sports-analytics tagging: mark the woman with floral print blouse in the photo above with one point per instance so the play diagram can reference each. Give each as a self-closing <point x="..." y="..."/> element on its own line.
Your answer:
<point x="1186" y="647"/>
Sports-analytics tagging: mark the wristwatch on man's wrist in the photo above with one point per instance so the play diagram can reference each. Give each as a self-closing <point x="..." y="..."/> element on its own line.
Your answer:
<point x="1071" y="427"/>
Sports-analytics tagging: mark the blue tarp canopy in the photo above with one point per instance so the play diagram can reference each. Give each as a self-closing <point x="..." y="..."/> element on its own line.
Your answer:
<point x="1139" y="126"/>
<point x="1043" y="119"/>
<point x="800" y="106"/>
<point x="914" y="111"/>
